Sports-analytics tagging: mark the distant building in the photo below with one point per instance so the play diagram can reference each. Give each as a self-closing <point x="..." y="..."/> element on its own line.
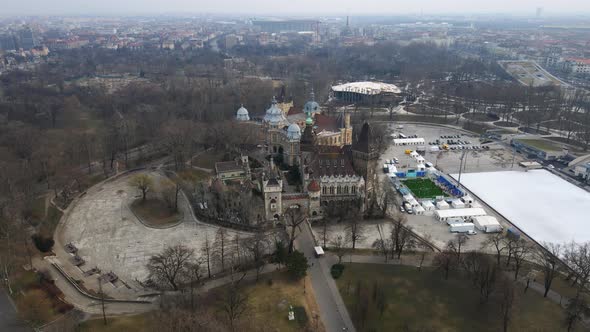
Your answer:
<point x="233" y="170"/>
<point x="7" y="42"/>
<point x="367" y="92"/>
<point x="285" y="25"/>
<point x="26" y="39"/>
<point x="577" y="66"/>
<point x="538" y="147"/>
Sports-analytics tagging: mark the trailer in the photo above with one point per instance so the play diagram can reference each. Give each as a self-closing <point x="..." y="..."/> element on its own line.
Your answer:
<point x="319" y="251"/>
<point x="487" y="224"/>
<point x="463" y="227"/>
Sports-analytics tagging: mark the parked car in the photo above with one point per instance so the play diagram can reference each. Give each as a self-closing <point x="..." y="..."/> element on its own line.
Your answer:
<point x="471" y="232"/>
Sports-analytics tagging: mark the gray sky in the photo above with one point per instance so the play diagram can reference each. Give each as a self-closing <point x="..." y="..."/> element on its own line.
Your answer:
<point x="291" y="7"/>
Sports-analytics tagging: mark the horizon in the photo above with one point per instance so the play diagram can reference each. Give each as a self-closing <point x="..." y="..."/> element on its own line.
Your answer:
<point x="297" y="8"/>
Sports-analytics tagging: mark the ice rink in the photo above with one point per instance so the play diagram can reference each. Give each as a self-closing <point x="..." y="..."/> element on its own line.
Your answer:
<point x="544" y="206"/>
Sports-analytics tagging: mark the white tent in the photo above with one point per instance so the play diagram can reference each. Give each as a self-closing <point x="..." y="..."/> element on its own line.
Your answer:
<point x="442" y="205"/>
<point x="434" y="148"/>
<point x="444" y="215"/>
<point x="457" y="204"/>
<point x="408" y="141"/>
<point x="420" y="160"/>
<point x="414" y="154"/>
<point x="487" y="224"/>
<point x="419" y="210"/>
<point x="475" y="204"/>
<point x="428" y="207"/>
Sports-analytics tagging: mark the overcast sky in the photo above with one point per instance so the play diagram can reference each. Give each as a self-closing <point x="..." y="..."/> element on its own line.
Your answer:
<point x="291" y="7"/>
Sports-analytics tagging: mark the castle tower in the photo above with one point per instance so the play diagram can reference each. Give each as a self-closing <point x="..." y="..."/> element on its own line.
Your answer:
<point x="273" y="203"/>
<point x="365" y="156"/>
<point x="313" y="190"/>
<point x="345" y="128"/>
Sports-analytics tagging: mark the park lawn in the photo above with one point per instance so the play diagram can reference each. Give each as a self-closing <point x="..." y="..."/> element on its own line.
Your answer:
<point x="208" y="158"/>
<point x="423" y="188"/>
<point x="155" y="212"/>
<point x="135" y="323"/>
<point x="194" y="175"/>
<point x="424" y="301"/>
<point x="541" y="144"/>
<point x="268" y="305"/>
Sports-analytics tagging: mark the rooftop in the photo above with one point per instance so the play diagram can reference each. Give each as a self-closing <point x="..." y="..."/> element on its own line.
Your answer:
<point x="368" y="88"/>
<point x="540" y="144"/>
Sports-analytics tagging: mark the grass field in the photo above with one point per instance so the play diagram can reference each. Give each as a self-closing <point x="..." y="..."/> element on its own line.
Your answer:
<point x="424" y="301"/>
<point x="423" y="188"/>
<point x="134" y="323"/>
<point x="266" y="309"/>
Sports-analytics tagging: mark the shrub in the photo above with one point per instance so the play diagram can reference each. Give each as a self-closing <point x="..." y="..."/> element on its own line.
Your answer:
<point x="337" y="270"/>
<point x="43" y="243"/>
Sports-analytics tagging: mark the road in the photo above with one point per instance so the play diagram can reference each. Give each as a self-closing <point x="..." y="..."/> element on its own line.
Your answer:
<point x="9" y="321"/>
<point x="332" y="309"/>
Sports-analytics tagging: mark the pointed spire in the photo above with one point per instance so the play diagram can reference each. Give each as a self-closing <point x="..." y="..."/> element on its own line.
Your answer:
<point x="274" y="100"/>
<point x="312" y="94"/>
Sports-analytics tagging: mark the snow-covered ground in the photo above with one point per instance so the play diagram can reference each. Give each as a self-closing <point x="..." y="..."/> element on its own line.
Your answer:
<point x="544" y="206"/>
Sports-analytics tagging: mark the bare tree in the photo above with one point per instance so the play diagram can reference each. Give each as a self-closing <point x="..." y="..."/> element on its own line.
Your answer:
<point x="220" y="247"/>
<point x="547" y="256"/>
<point x="257" y="246"/>
<point x="521" y="252"/>
<point x="324" y="232"/>
<point x="496" y="241"/>
<point x="338" y="245"/>
<point x="576" y="309"/>
<point x="169" y="266"/>
<point x="293" y="218"/>
<point x="457" y="244"/>
<point x="143" y="182"/>
<point x="354" y="231"/>
<point x="507" y="302"/>
<point x="234" y="303"/>
<point x="445" y="261"/>
<point x="486" y="279"/>
<point x="206" y="251"/>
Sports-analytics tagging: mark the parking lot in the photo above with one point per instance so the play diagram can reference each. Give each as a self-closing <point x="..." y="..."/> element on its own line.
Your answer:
<point x="497" y="157"/>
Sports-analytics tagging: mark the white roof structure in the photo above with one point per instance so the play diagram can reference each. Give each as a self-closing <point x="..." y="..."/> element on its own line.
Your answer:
<point x="367" y="88"/>
<point x="545" y="207"/>
<point x="457" y="203"/>
<point x="483" y="221"/>
<point x="407" y="141"/>
<point x="427" y="205"/>
<point x="442" y="205"/>
<point x="460" y="213"/>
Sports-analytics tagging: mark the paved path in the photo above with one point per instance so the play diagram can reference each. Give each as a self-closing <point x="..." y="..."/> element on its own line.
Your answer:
<point x="9" y="321"/>
<point x="332" y="309"/>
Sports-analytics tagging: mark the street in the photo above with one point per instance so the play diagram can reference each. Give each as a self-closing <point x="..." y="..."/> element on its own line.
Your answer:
<point x="332" y="309"/>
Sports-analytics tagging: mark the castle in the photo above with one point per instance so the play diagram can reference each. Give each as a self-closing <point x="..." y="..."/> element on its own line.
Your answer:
<point x="331" y="166"/>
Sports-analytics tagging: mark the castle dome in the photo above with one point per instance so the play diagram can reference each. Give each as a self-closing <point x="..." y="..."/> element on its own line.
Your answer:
<point x="242" y="114"/>
<point x="294" y="132"/>
<point x="274" y="115"/>
<point x="311" y="106"/>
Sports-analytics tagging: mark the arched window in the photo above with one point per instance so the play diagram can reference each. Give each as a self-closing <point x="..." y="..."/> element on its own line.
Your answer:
<point x="353" y="189"/>
<point x="339" y="190"/>
<point x="324" y="190"/>
<point x="346" y="190"/>
<point x="332" y="190"/>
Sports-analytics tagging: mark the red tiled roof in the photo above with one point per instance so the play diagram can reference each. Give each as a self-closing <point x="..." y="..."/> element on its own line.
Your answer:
<point x="313" y="186"/>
